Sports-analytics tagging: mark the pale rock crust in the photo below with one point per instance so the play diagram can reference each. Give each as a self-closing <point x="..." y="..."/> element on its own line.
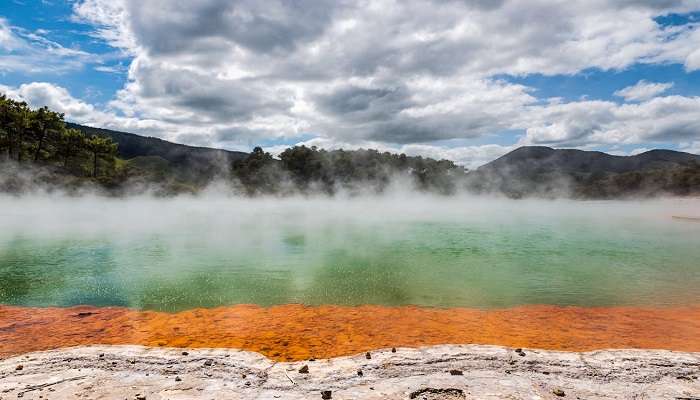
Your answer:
<point x="488" y="372"/>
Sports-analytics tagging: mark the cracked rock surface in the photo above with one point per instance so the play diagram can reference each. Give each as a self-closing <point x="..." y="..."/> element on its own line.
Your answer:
<point x="488" y="372"/>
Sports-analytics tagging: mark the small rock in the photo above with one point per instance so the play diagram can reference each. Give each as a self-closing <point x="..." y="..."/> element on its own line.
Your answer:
<point x="178" y="379"/>
<point x="247" y="383"/>
<point x="140" y="397"/>
<point x="368" y="356"/>
<point x="518" y="350"/>
<point x="326" y="395"/>
<point x="359" y="372"/>
<point x="19" y="367"/>
<point x="84" y="314"/>
<point x="184" y="353"/>
<point x="546" y="372"/>
<point x="393" y="349"/>
<point x="521" y="354"/>
<point x="132" y="361"/>
<point x="558" y="393"/>
<point x="208" y="363"/>
<point x="456" y="372"/>
<point x="304" y="369"/>
<point x="102" y="355"/>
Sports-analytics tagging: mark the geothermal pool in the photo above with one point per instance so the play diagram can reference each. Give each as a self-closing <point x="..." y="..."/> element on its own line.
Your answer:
<point x="304" y="277"/>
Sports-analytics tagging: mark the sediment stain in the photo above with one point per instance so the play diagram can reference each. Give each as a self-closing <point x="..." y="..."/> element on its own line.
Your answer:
<point x="298" y="332"/>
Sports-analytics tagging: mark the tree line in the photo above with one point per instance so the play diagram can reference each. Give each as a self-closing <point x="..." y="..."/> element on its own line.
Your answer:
<point x="309" y="169"/>
<point x="41" y="136"/>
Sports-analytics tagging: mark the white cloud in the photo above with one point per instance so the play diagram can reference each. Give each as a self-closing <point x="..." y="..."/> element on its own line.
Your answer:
<point x="691" y="147"/>
<point x="393" y="72"/>
<point x="57" y="98"/>
<point x="394" y="75"/>
<point x="31" y="52"/>
<point x="661" y="119"/>
<point x="643" y="90"/>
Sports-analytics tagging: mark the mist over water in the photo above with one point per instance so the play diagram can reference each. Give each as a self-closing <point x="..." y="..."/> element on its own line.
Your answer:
<point x="397" y="249"/>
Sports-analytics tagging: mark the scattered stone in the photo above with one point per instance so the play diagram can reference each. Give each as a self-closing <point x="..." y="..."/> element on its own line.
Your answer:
<point x="326" y="395"/>
<point x="520" y="352"/>
<point x="178" y="379"/>
<point x="132" y="361"/>
<point x="558" y="393"/>
<point x="455" y="372"/>
<point x="140" y="396"/>
<point x="359" y="372"/>
<point x="368" y="356"/>
<point x="304" y="369"/>
<point x="184" y="353"/>
<point x="393" y="349"/>
<point x="19" y="367"/>
<point x="208" y="363"/>
<point x="102" y="355"/>
<point x="546" y="372"/>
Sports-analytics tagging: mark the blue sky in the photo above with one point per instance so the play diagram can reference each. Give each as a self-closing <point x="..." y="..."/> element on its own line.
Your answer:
<point x="467" y="82"/>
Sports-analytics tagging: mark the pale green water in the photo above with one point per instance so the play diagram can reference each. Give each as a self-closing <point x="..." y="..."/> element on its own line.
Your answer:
<point x="185" y="253"/>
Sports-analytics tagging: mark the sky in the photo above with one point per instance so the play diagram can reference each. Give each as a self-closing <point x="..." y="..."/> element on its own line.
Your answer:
<point x="463" y="80"/>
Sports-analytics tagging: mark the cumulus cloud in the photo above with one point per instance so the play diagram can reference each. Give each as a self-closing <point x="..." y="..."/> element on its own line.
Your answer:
<point x="643" y="90"/>
<point x="691" y="147"/>
<point x="396" y="75"/>
<point x="57" y="98"/>
<point x="669" y="119"/>
<point x="391" y="72"/>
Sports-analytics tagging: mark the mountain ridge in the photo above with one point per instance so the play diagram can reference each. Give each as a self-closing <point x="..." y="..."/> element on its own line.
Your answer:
<point x="544" y="171"/>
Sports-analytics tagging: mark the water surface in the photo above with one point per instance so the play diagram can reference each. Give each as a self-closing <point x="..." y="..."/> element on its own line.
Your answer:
<point x="178" y="254"/>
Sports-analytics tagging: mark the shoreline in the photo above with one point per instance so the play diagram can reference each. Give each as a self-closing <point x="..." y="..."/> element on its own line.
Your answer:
<point x="295" y="332"/>
<point x="443" y="371"/>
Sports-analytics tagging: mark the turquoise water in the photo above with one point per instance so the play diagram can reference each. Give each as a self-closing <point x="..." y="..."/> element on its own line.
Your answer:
<point x="179" y="254"/>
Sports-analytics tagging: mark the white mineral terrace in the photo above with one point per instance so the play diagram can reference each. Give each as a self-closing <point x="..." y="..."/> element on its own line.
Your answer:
<point x="437" y="372"/>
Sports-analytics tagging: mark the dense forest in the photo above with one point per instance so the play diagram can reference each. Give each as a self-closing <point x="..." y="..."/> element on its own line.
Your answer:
<point x="309" y="169"/>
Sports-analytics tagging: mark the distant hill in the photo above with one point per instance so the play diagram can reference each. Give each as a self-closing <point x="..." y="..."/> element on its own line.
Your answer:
<point x="543" y="171"/>
<point x="190" y="164"/>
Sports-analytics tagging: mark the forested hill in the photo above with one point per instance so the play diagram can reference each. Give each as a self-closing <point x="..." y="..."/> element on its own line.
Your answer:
<point x="131" y="145"/>
<point x="543" y="171"/>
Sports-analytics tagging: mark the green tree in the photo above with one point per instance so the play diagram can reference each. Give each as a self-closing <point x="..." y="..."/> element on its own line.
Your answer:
<point x="21" y="121"/>
<point x="101" y="148"/>
<point x="70" y="144"/>
<point x="46" y="125"/>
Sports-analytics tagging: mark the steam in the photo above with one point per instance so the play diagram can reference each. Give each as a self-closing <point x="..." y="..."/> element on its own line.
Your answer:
<point x="400" y="247"/>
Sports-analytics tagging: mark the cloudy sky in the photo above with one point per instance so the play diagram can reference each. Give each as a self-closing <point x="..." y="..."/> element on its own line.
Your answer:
<point x="458" y="79"/>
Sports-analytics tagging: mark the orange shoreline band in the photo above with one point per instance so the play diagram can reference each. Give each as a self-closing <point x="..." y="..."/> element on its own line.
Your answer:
<point x="297" y="332"/>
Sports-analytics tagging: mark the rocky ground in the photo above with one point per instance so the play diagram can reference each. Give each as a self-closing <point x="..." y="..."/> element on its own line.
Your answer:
<point x="438" y="372"/>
